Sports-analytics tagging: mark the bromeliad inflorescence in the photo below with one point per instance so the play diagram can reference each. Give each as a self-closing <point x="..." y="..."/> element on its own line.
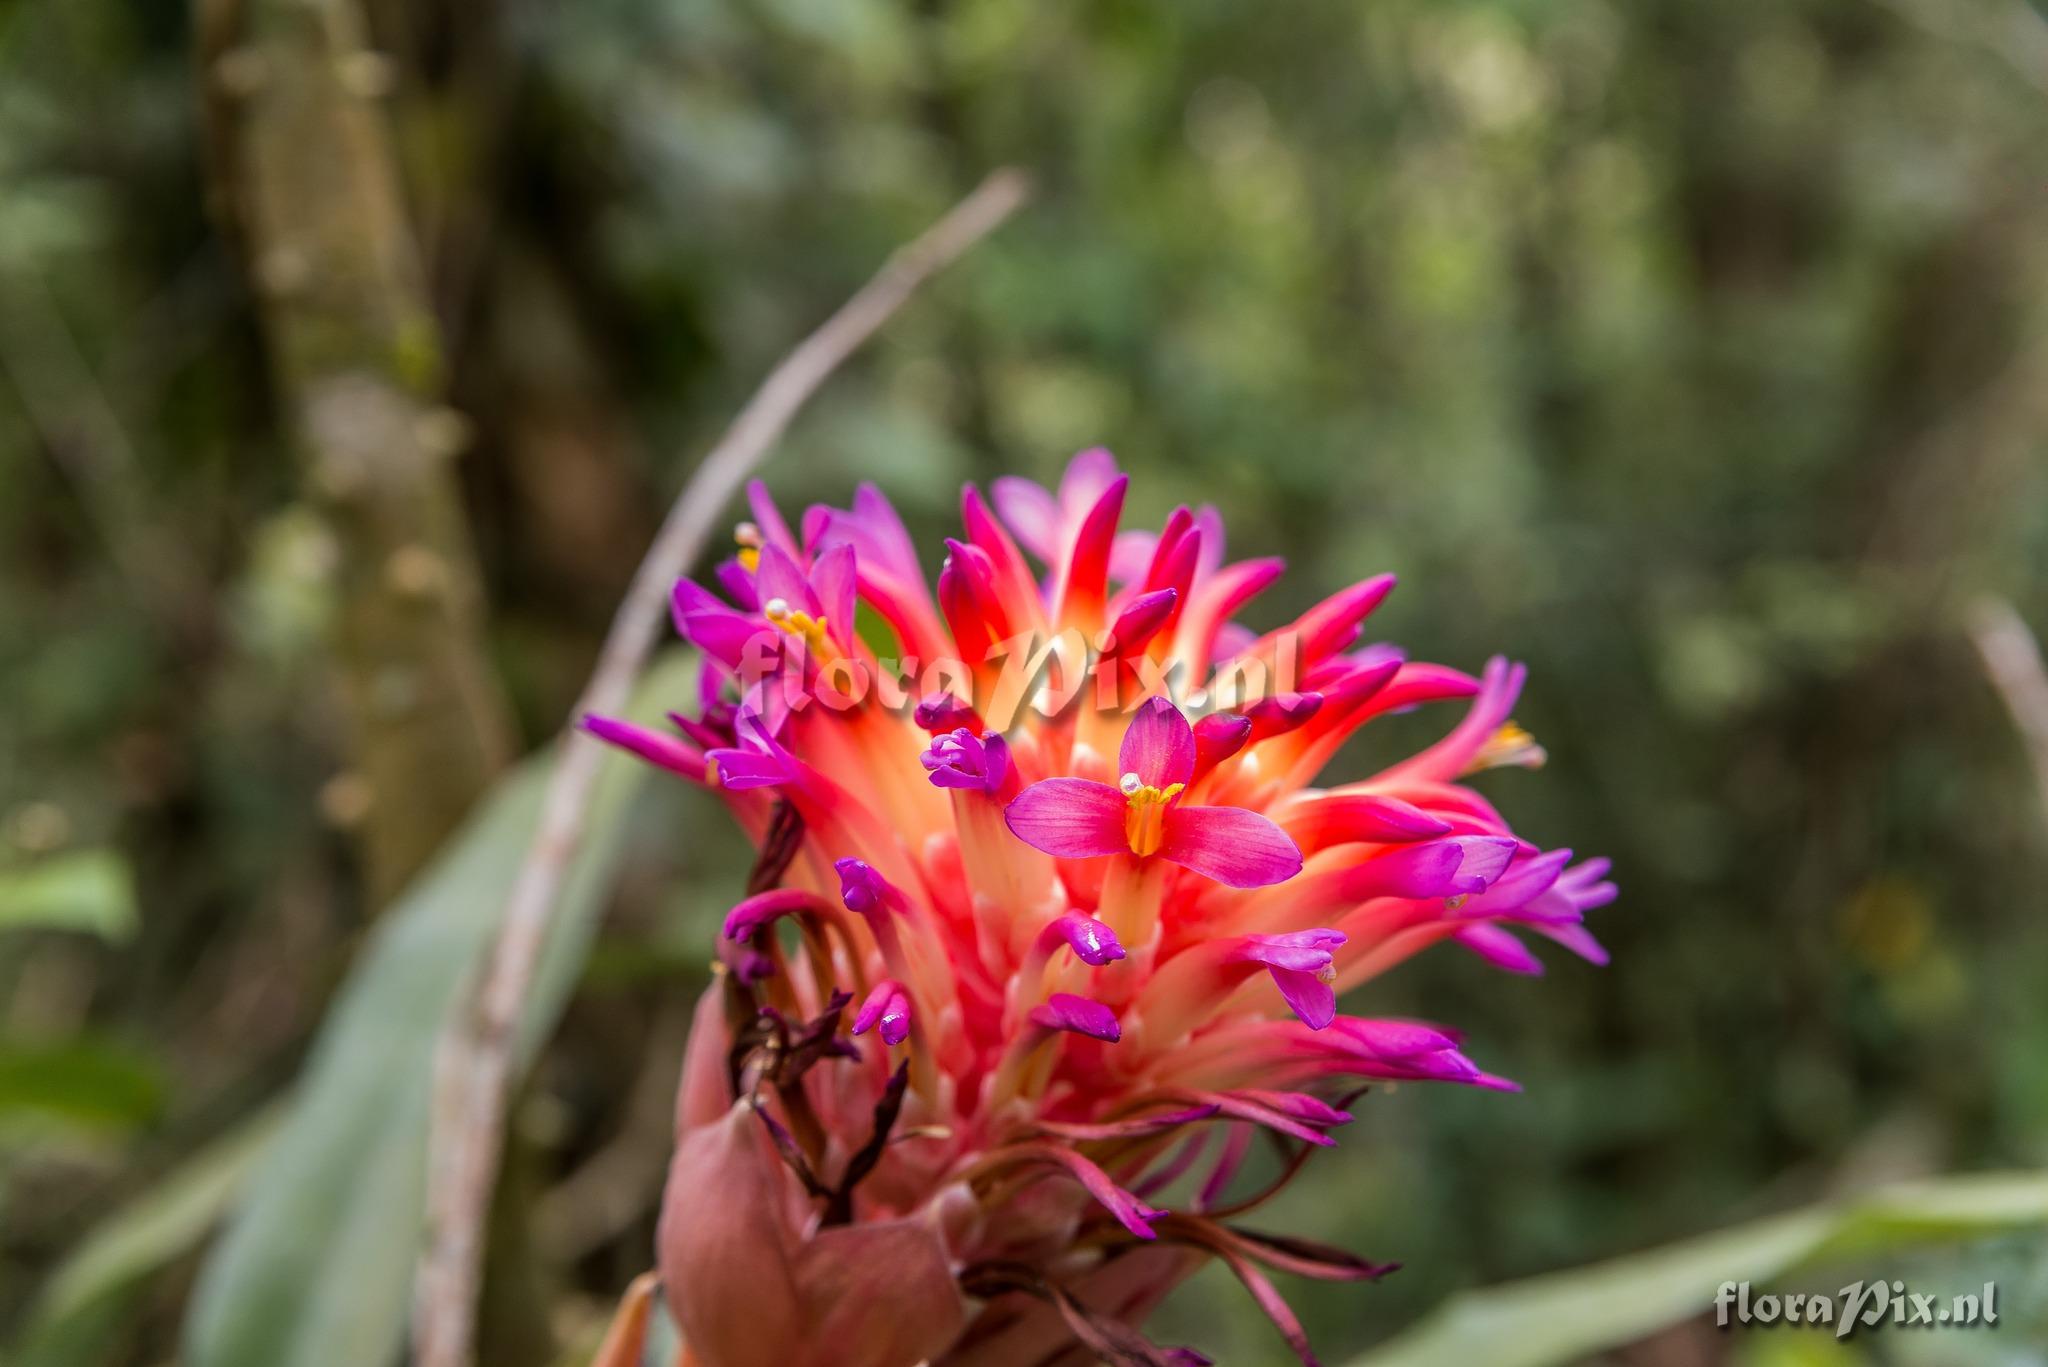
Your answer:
<point x="1049" y="926"/>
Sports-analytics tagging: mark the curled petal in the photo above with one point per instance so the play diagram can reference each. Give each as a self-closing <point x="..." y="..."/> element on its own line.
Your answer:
<point x="759" y="761"/>
<point x="888" y="1007"/>
<point x="1302" y="965"/>
<point x="1069" y="818"/>
<point x="1309" y="995"/>
<point x="1236" y="847"/>
<point x="1218" y="736"/>
<point x="863" y="890"/>
<point x="1303" y="951"/>
<point x="763" y="908"/>
<point x="1081" y="1015"/>
<point x="940" y="712"/>
<point x="1092" y="941"/>
<point x="961" y="759"/>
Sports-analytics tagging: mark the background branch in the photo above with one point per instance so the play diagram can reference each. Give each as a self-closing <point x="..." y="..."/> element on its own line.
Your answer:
<point x="2012" y="657"/>
<point x="473" y="1072"/>
<point x="304" y="167"/>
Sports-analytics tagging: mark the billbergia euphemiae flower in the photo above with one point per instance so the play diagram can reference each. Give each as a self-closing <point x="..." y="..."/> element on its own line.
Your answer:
<point x="1049" y="924"/>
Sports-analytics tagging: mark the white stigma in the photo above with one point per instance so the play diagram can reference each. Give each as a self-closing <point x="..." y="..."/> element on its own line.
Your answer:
<point x="774" y="608"/>
<point x="1130" y="784"/>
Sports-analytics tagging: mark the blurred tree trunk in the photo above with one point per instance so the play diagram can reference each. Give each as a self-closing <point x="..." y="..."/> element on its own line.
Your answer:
<point x="302" y="165"/>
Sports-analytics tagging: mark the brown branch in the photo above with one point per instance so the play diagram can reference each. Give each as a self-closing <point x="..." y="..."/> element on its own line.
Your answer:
<point x="475" y="1064"/>
<point x="304" y="170"/>
<point x="2012" y="657"/>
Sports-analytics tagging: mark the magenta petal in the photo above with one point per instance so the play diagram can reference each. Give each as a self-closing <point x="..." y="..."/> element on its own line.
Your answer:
<point x="1394" y="1039"/>
<point x="672" y="753"/>
<point x="738" y="582"/>
<point x="1425" y="869"/>
<point x="1300" y="1105"/>
<point x="833" y="579"/>
<point x="1159" y="747"/>
<point x="1579" y="941"/>
<point x="1092" y="941"/>
<point x="888" y="1007"/>
<point x="1069" y="818"/>
<point x="1304" y="951"/>
<point x="1132" y="1213"/>
<point x="1082" y="1015"/>
<point x="1031" y="512"/>
<point x="779" y="576"/>
<point x="1130" y="554"/>
<point x="961" y="759"/>
<point x="763" y="908"/>
<point x="1276" y="716"/>
<point x="1499" y="948"/>
<point x="687" y="596"/>
<point x="1218" y="736"/>
<point x="1237" y="848"/>
<point x="863" y="890"/>
<point x="940" y="712"/>
<point x="1312" y="999"/>
<point x="1140" y="621"/>
<point x="1486" y="858"/>
<point x="743" y="769"/>
<point x="724" y="635"/>
<point x="768" y="517"/>
<point x="1526" y="879"/>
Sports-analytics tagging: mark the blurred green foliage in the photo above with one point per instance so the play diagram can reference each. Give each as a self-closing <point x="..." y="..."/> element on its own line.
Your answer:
<point x="1695" y="353"/>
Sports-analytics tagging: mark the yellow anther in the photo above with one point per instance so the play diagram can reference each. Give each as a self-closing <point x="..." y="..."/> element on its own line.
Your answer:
<point x="796" y="622"/>
<point x="1509" y="746"/>
<point x="748" y="536"/>
<point x="1145" y="816"/>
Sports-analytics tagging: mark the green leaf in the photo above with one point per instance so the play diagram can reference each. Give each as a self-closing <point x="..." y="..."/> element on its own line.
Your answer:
<point x="164" y="1222"/>
<point x="83" y="890"/>
<point x="1567" y="1316"/>
<point x="84" y="1085"/>
<point x="316" y="1267"/>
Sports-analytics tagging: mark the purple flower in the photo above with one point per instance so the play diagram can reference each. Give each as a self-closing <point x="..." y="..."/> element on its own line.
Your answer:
<point x="1078" y="818"/>
<point x="1302" y="964"/>
<point x="961" y="759"/>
